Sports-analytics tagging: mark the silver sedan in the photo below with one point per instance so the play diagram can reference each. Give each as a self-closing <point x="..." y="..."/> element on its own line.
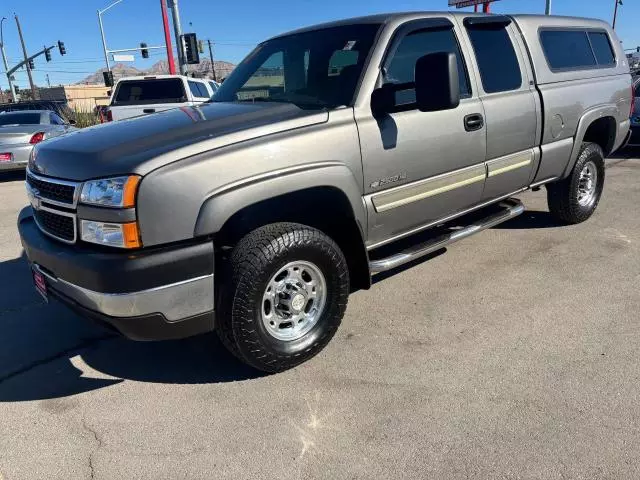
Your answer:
<point x="21" y="130"/>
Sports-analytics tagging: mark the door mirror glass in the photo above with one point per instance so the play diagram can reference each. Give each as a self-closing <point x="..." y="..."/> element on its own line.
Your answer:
<point x="72" y="122"/>
<point x="437" y="83"/>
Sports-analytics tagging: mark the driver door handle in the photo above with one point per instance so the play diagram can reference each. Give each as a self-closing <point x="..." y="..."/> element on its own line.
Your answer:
<point x="473" y="122"/>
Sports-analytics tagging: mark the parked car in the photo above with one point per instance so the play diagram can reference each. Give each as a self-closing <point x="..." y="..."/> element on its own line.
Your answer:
<point x="257" y="214"/>
<point x="21" y="130"/>
<point x="60" y="107"/>
<point x="136" y="96"/>
<point x="634" y="141"/>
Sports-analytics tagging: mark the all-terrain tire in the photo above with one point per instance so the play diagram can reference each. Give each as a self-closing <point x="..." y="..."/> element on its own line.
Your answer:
<point x="249" y="270"/>
<point x="564" y="197"/>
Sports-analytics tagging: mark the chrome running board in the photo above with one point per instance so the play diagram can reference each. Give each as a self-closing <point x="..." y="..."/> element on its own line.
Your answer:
<point x="510" y="208"/>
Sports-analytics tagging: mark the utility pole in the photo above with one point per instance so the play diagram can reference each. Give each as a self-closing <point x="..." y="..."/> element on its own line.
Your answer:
<point x="48" y="81"/>
<point x="175" y="12"/>
<point x="213" y="68"/>
<point x="547" y="10"/>
<point x="26" y="61"/>
<point x="6" y="65"/>
<point x="615" y="12"/>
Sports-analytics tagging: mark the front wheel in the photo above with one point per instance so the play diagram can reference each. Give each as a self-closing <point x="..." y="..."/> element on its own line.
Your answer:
<point x="574" y="199"/>
<point x="287" y="291"/>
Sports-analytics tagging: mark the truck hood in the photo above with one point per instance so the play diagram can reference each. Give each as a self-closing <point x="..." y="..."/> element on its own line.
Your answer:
<point x="140" y="145"/>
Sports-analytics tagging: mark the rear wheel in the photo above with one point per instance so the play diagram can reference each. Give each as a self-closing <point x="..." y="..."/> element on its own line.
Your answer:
<point x="574" y="199"/>
<point x="284" y="296"/>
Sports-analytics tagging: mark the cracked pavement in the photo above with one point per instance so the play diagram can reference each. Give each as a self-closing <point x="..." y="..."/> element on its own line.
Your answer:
<point x="513" y="355"/>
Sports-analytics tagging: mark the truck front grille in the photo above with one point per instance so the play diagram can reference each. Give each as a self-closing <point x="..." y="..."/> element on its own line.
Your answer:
<point x="57" y="224"/>
<point x="53" y="190"/>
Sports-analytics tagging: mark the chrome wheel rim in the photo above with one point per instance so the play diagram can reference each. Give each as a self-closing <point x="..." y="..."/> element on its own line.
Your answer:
<point x="293" y="300"/>
<point x="587" y="185"/>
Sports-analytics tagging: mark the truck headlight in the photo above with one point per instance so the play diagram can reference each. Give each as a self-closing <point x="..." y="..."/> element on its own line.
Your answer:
<point x="118" y="192"/>
<point x="121" y="235"/>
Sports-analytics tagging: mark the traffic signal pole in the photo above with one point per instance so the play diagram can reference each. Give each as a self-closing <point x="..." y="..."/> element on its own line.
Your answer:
<point x="167" y="37"/>
<point x="26" y="61"/>
<point x="182" y="64"/>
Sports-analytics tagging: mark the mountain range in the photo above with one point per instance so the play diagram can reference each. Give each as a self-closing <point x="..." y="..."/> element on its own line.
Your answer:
<point x="202" y="70"/>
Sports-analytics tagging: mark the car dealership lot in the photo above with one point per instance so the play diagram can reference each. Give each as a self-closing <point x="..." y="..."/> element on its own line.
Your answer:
<point x="515" y="354"/>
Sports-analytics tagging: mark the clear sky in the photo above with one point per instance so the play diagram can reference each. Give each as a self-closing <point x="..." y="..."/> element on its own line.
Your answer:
<point x="235" y="26"/>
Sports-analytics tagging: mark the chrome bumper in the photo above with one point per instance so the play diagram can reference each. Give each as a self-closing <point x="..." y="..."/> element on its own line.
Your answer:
<point x="175" y="302"/>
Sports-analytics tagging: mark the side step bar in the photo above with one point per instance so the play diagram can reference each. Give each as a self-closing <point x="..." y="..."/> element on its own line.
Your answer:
<point x="511" y="208"/>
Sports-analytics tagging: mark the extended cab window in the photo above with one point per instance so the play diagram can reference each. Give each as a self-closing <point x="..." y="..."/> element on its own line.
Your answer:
<point x="402" y="66"/>
<point x="147" y="91"/>
<point x="602" y="48"/>
<point x="313" y="69"/>
<point x="567" y="49"/>
<point x="497" y="60"/>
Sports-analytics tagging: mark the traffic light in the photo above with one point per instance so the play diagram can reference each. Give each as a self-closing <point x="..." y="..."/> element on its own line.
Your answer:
<point x="16" y="88"/>
<point x="63" y="51"/>
<point x="638" y="49"/>
<point x="32" y="66"/>
<point x="108" y="78"/>
<point x="200" y="46"/>
<point x="47" y="55"/>
<point x="190" y="43"/>
<point x="144" y="51"/>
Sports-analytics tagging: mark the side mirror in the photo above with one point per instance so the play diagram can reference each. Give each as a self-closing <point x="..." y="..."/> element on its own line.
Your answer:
<point x="109" y="92"/>
<point x="437" y="86"/>
<point x="383" y="100"/>
<point x="72" y="122"/>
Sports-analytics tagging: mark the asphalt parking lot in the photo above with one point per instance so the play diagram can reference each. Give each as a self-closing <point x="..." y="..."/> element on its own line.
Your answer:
<point x="515" y="354"/>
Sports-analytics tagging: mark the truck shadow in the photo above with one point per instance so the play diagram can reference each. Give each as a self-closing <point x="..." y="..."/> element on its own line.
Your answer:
<point x="531" y="219"/>
<point x="46" y="351"/>
<point x="12" y="176"/>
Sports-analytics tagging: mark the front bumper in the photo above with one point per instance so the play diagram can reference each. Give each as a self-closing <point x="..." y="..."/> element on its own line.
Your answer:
<point x="634" y="136"/>
<point x="156" y="294"/>
<point x="20" y="156"/>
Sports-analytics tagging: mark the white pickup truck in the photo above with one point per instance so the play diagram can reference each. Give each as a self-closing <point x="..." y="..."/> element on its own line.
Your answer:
<point x="137" y="96"/>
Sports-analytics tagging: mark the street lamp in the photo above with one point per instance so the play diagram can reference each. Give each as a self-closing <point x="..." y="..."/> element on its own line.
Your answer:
<point x="4" y="59"/>
<point x="104" y="41"/>
<point x="615" y="11"/>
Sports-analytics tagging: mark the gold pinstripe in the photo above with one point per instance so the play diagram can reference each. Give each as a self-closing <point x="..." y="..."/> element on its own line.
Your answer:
<point x="430" y="187"/>
<point x="509" y="163"/>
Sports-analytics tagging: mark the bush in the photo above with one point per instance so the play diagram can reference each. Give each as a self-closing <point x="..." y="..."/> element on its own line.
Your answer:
<point x="85" y="118"/>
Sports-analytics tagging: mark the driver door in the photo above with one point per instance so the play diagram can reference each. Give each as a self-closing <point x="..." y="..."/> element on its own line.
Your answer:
<point x="420" y="167"/>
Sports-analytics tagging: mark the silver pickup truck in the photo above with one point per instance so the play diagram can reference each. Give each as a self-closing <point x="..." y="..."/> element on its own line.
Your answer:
<point x="331" y="154"/>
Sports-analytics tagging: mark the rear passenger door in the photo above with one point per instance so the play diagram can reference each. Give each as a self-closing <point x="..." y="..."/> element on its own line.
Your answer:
<point x="510" y="102"/>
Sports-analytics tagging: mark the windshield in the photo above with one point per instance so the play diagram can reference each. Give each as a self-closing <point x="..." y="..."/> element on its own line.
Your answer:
<point x="20" y="119"/>
<point x="316" y="69"/>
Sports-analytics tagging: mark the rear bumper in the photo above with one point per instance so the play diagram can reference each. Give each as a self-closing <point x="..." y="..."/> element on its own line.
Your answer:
<point x="20" y="156"/>
<point x="158" y="294"/>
